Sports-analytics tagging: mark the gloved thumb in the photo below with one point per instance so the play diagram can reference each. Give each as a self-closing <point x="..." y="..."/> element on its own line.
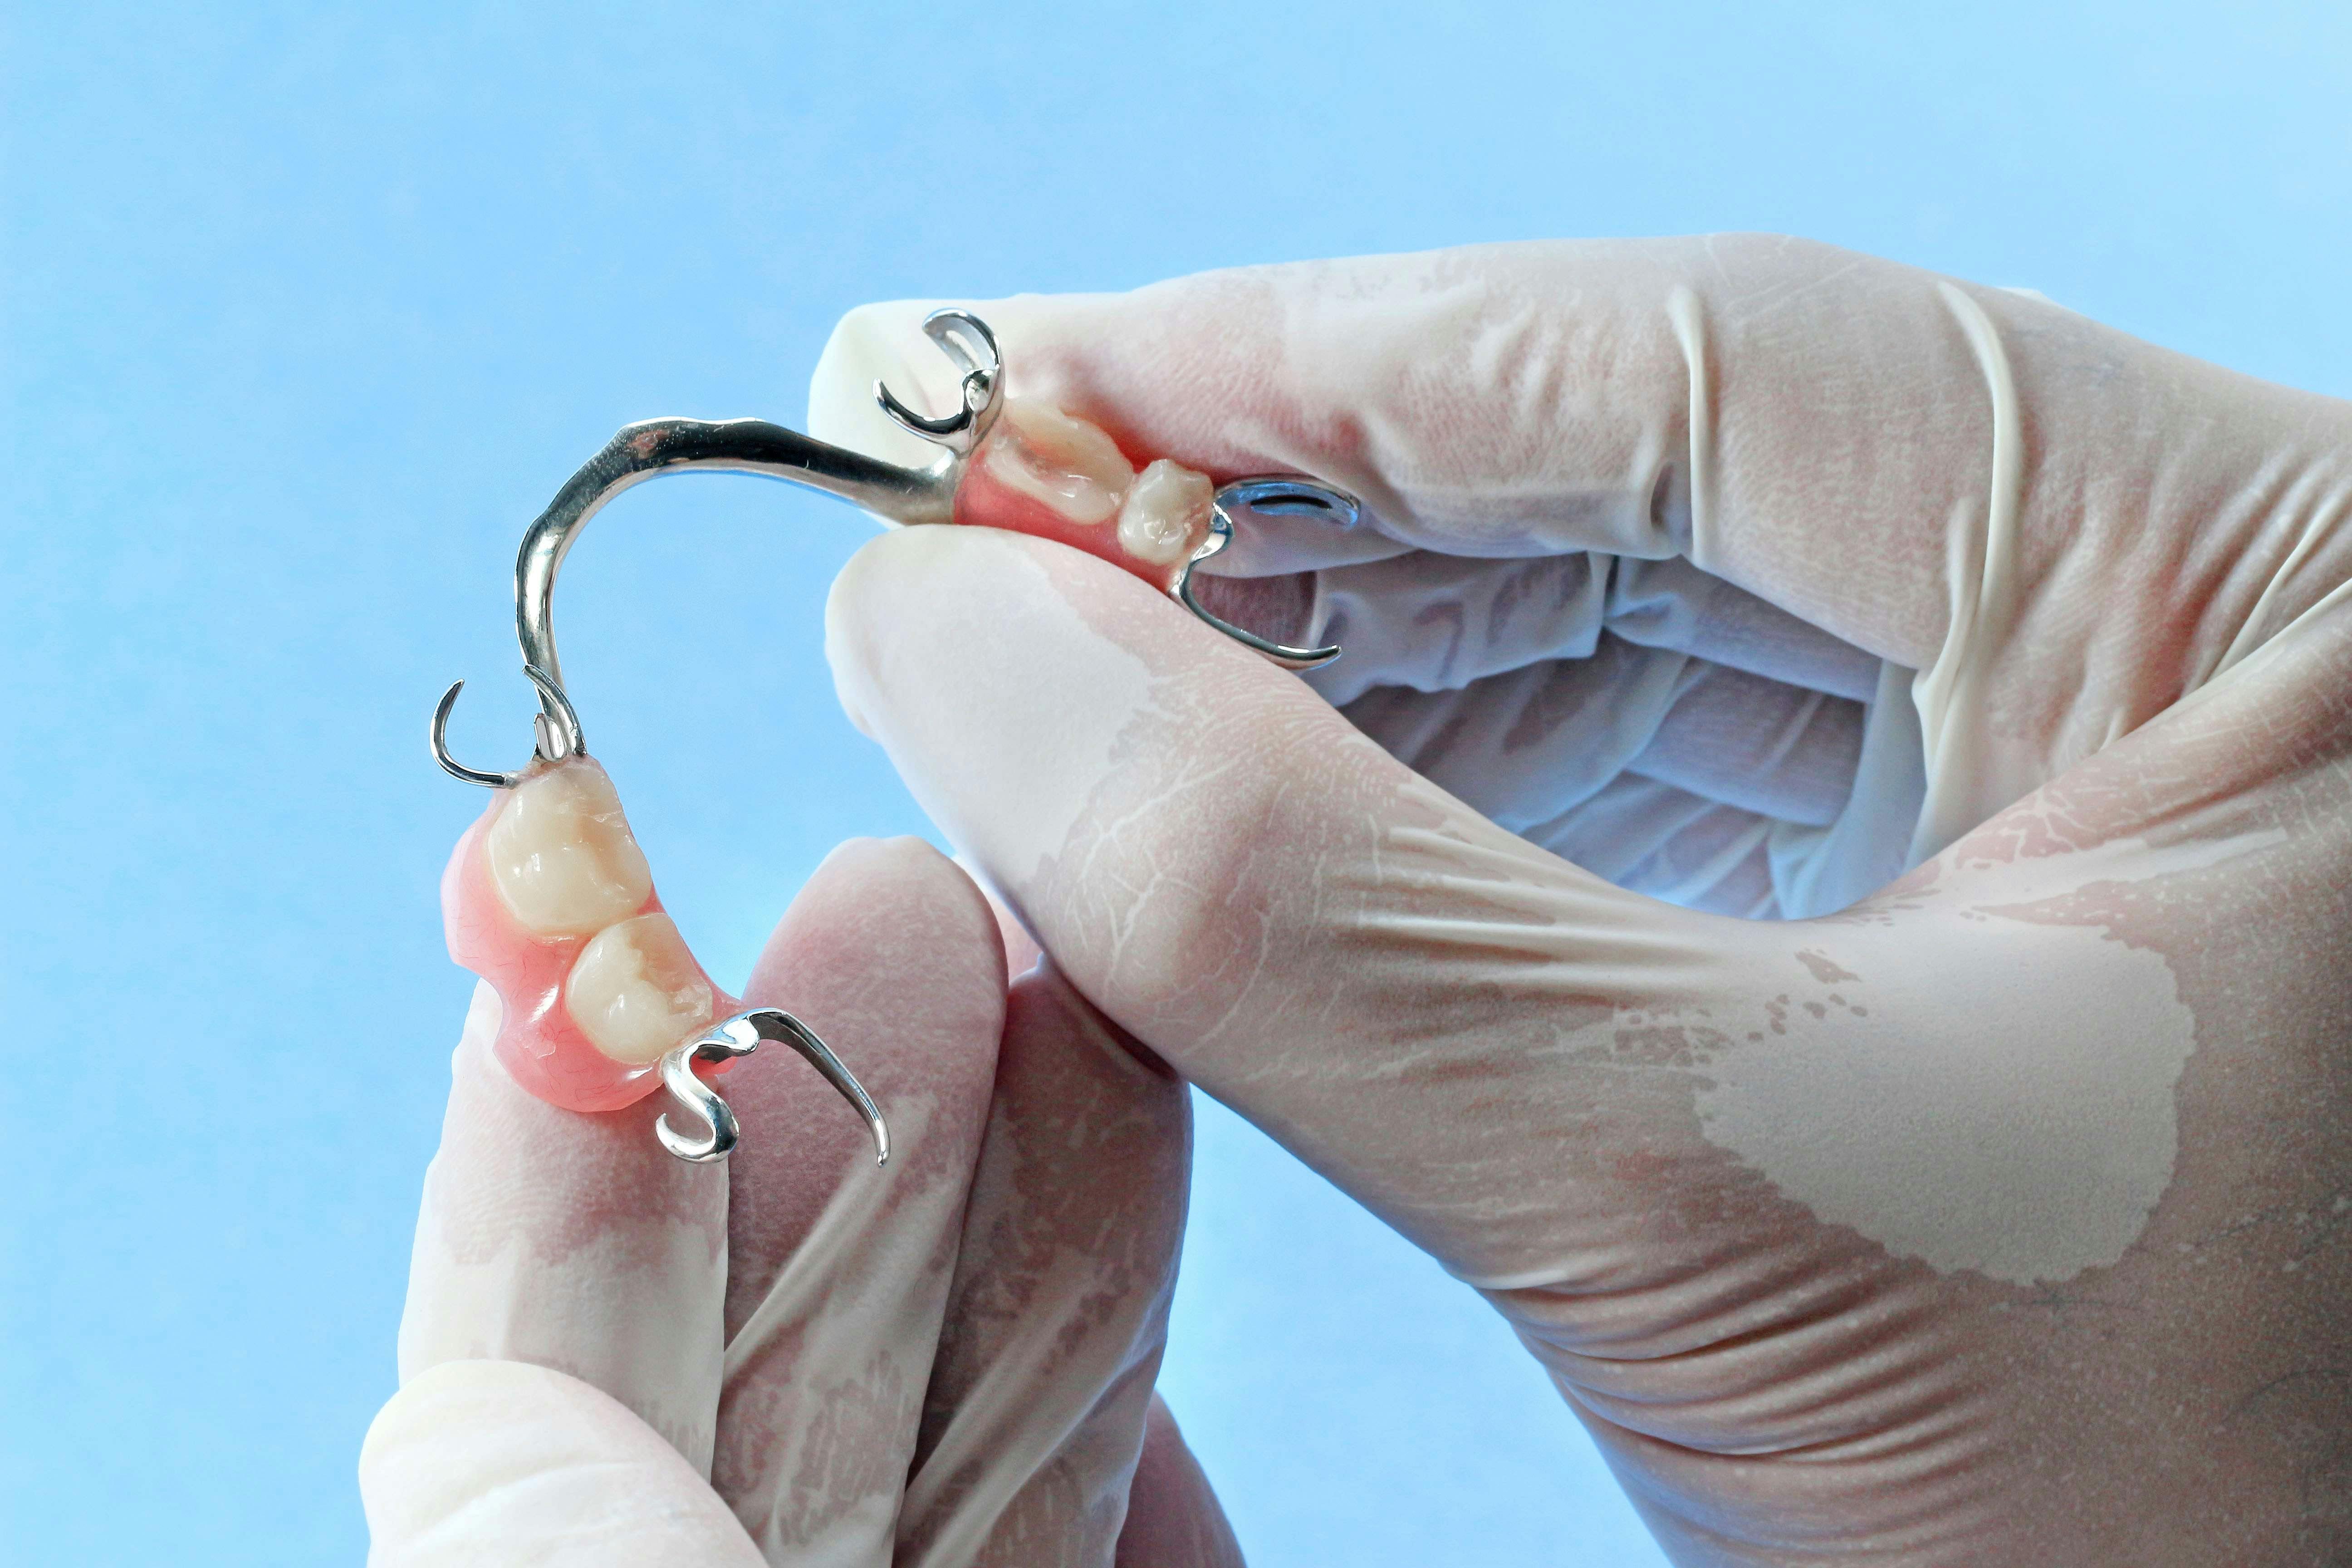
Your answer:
<point x="1535" y="1075"/>
<point x="502" y="1462"/>
<point x="1302" y="926"/>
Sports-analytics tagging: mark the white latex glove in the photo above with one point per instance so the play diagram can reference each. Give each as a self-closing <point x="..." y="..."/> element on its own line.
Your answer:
<point x="2004" y="1217"/>
<point x="609" y="1356"/>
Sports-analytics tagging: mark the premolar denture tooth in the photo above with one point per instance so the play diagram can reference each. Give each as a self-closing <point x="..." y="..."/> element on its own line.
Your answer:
<point x="561" y="855"/>
<point x="635" y="992"/>
<point x="1069" y="465"/>
<point x="1166" y="514"/>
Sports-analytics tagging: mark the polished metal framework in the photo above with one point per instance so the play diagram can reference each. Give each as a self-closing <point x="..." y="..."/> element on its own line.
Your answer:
<point x="908" y="495"/>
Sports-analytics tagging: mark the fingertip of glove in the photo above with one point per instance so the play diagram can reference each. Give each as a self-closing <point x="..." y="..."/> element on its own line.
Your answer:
<point x="882" y="342"/>
<point x="944" y="599"/>
<point x="875" y="889"/>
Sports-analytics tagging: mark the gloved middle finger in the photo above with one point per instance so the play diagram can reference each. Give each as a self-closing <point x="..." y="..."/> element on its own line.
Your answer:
<point x="1038" y="1403"/>
<point x="838" y="1272"/>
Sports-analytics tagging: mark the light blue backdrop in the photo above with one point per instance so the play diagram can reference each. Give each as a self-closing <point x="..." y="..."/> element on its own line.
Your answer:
<point x="308" y="309"/>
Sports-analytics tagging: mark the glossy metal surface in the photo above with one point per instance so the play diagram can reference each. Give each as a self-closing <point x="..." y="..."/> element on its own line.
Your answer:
<point x="558" y="738"/>
<point x="965" y="339"/>
<point x="1282" y="496"/>
<point x="910" y="496"/>
<point x="654" y="447"/>
<point x="740" y="1037"/>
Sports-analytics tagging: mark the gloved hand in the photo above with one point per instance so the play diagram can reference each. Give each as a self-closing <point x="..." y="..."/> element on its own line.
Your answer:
<point x="609" y="1356"/>
<point x="2005" y="1216"/>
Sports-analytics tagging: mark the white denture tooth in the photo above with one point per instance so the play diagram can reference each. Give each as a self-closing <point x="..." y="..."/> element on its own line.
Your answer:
<point x="635" y="992"/>
<point x="561" y="855"/>
<point x="1166" y="514"/>
<point x="1071" y="466"/>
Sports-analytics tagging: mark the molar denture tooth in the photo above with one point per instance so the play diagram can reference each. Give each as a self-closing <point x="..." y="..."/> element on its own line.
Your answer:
<point x="1166" y="514"/>
<point x="1068" y="463"/>
<point x="561" y="855"/>
<point x="635" y="992"/>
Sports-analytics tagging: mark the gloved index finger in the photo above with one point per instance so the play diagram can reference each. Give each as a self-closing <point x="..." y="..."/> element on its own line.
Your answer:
<point x="571" y="1241"/>
<point x="1917" y="466"/>
<point x="1497" y="402"/>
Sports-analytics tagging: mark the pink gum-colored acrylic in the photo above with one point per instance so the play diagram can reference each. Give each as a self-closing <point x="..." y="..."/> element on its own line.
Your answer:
<point x="538" y="1042"/>
<point x="983" y="500"/>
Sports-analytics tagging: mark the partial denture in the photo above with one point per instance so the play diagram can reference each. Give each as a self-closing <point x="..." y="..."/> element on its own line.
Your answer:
<point x="549" y="899"/>
<point x="1042" y="471"/>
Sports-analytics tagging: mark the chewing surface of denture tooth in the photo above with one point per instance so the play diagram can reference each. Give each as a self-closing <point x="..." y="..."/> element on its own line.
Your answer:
<point x="635" y="991"/>
<point x="1166" y="513"/>
<point x="562" y="857"/>
<point x="1071" y="466"/>
<point x="1042" y="472"/>
<point x="549" y="899"/>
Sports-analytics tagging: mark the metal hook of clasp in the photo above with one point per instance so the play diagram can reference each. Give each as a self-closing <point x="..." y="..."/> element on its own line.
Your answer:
<point x="904" y="495"/>
<point x="654" y="446"/>
<point x="965" y="339"/>
<point x="740" y="1037"/>
<point x="558" y="738"/>
<point x="1280" y="496"/>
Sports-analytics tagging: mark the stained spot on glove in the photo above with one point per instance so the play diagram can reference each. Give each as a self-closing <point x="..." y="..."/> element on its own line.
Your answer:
<point x="2024" y="1129"/>
<point x="1824" y="968"/>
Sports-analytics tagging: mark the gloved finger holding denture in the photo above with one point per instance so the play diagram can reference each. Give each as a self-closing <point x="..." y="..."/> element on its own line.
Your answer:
<point x="611" y="1356"/>
<point x="1992" y="1211"/>
<point x="549" y="899"/>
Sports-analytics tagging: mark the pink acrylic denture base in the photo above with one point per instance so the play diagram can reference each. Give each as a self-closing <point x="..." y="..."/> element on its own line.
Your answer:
<point x="538" y="1042"/>
<point x="984" y="501"/>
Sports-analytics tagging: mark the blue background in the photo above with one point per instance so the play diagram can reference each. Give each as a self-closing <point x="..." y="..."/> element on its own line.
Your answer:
<point x="308" y="310"/>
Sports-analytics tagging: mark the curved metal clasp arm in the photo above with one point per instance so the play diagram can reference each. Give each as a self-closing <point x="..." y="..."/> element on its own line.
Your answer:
<point x="1282" y="496"/>
<point x="910" y="496"/>
<point x="740" y="1037"/>
<point x="558" y="738"/>
<point x="965" y="339"/>
<point x="654" y="446"/>
<point x="640" y="452"/>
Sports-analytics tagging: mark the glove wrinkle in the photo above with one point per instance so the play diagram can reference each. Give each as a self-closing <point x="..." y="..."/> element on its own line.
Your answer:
<point x="1703" y="785"/>
<point x="1696" y="538"/>
<point x="1966" y="779"/>
<point x="1036" y="1411"/>
<point x="1543" y="691"/>
<point x="839" y="1271"/>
